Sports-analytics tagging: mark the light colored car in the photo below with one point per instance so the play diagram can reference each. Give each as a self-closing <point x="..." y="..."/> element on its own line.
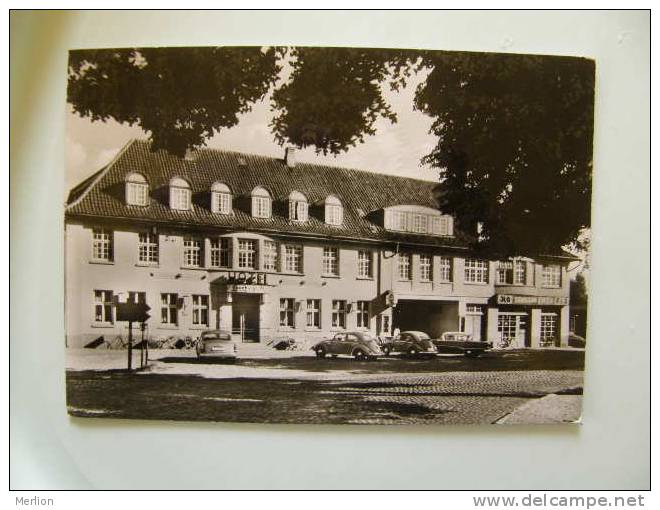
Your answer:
<point x="359" y="344"/>
<point x="216" y="343"/>
<point x="413" y="343"/>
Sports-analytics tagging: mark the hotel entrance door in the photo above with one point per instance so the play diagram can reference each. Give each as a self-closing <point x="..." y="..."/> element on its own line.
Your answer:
<point x="245" y="317"/>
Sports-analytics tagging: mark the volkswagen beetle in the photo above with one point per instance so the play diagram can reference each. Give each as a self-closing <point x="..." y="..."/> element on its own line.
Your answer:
<point x="413" y="343"/>
<point x="359" y="344"/>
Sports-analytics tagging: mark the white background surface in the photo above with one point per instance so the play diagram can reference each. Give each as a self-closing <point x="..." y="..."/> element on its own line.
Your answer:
<point x="611" y="448"/>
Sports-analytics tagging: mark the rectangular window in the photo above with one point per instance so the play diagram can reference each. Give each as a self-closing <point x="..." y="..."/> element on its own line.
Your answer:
<point x="180" y="198"/>
<point x="441" y="225"/>
<point x="398" y="220"/>
<point x="247" y="254"/>
<point x="404" y="266"/>
<point x="420" y="223"/>
<point x="261" y="207"/>
<point x="520" y="272"/>
<point x="192" y="252"/>
<point x="548" y="328"/>
<point x="425" y="268"/>
<point x="103" y="306"/>
<point x="476" y="271"/>
<point x="504" y="273"/>
<point x="221" y="202"/>
<point x="363" y="314"/>
<point x="551" y="276"/>
<point x="287" y="312"/>
<point x="200" y="310"/>
<point x="314" y="313"/>
<point x="102" y="245"/>
<point x="364" y="264"/>
<point x="220" y="253"/>
<point x="298" y="210"/>
<point x="137" y="297"/>
<point x="333" y="214"/>
<point x="148" y="248"/>
<point x="445" y="269"/>
<point x="293" y="258"/>
<point x="331" y="261"/>
<point x="339" y="314"/>
<point x="168" y="308"/>
<point x="137" y="193"/>
<point x="270" y="256"/>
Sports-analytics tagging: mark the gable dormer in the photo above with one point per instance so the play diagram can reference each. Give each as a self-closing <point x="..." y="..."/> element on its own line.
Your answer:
<point x="418" y="219"/>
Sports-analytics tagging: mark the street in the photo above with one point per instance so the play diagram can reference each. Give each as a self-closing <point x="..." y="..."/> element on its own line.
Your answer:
<point x="298" y="388"/>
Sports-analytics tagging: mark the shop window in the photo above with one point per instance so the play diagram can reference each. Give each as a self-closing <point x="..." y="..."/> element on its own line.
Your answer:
<point x="102" y="245"/>
<point x="314" y="313"/>
<point x="287" y="312"/>
<point x="404" y="266"/>
<point x="293" y="258"/>
<point x="445" y="269"/>
<point x="548" y="329"/>
<point x="200" y="310"/>
<point x="426" y="268"/>
<point x="103" y="302"/>
<point x="330" y="261"/>
<point x="476" y="271"/>
<point x="339" y="314"/>
<point x="270" y="256"/>
<point x="247" y="254"/>
<point x="220" y="252"/>
<point x="168" y="308"/>
<point x="363" y="314"/>
<point x="147" y="248"/>
<point x="364" y="264"/>
<point x="192" y="252"/>
<point x="551" y="276"/>
<point x="221" y="198"/>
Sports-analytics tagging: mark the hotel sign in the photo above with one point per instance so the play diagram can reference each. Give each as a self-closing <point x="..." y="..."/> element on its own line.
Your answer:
<point x="247" y="289"/>
<point x="513" y="299"/>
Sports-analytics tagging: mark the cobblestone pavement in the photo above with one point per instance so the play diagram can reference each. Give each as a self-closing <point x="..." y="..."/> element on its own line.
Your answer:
<point x="322" y="391"/>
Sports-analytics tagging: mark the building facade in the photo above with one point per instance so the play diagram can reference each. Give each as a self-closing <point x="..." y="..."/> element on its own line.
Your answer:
<point x="268" y="248"/>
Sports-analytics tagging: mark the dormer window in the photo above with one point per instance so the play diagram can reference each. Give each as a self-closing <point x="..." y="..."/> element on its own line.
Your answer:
<point x="419" y="220"/>
<point x="261" y="203"/>
<point x="334" y="212"/>
<point x="298" y="206"/>
<point x="220" y="198"/>
<point x="137" y="190"/>
<point x="179" y="194"/>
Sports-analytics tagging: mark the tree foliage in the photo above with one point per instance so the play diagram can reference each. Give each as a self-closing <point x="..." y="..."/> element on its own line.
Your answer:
<point x="514" y="145"/>
<point x="180" y="96"/>
<point x="334" y="96"/>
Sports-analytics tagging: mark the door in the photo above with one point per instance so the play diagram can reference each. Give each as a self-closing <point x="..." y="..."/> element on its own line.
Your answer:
<point x="245" y="317"/>
<point x="473" y="326"/>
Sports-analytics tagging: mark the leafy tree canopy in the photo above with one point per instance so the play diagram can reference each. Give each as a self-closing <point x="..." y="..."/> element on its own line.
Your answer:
<point x="180" y="96"/>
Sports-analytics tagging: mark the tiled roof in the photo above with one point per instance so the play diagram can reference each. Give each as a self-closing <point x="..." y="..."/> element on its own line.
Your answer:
<point x="361" y="192"/>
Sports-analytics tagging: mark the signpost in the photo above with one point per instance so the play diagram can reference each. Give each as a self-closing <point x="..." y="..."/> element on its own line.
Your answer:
<point x="132" y="312"/>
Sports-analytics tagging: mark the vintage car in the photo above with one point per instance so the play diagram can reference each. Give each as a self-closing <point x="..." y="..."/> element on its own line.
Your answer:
<point x="359" y="344"/>
<point x="457" y="342"/>
<point x="412" y="343"/>
<point x="216" y="343"/>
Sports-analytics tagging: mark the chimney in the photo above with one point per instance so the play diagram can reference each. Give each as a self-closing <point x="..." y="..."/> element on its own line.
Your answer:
<point x="290" y="156"/>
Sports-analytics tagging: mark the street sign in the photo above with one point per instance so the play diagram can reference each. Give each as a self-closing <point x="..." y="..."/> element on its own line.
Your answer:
<point x="132" y="312"/>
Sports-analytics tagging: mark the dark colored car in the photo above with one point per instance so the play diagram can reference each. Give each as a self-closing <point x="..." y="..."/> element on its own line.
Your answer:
<point x="216" y="343"/>
<point x="575" y="340"/>
<point x="413" y="343"/>
<point x="359" y="344"/>
<point x="457" y="342"/>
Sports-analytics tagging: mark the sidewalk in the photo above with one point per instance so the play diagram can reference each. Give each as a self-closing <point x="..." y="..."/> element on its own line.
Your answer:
<point x="549" y="409"/>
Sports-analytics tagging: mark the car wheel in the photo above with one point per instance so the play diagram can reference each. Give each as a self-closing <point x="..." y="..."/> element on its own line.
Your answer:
<point x="387" y="351"/>
<point x="413" y="351"/>
<point x="360" y="355"/>
<point x="472" y="354"/>
<point x="320" y="352"/>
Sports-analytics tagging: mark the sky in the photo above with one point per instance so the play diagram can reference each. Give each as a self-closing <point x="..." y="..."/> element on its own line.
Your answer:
<point x="395" y="148"/>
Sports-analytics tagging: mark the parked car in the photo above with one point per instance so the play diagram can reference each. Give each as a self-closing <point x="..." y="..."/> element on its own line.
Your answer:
<point x="413" y="343"/>
<point x="575" y="340"/>
<point x="216" y="343"/>
<point x="457" y="342"/>
<point x="359" y="344"/>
